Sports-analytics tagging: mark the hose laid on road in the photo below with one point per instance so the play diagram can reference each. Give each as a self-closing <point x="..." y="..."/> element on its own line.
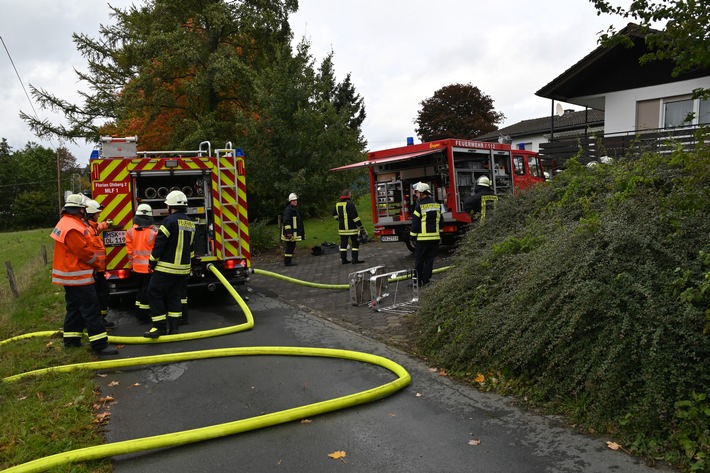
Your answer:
<point x="263" y="272"/>
<point x="219" y="430"/>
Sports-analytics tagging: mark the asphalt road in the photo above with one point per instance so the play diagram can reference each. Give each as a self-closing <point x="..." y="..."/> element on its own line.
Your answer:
<point x="433" y="425"/>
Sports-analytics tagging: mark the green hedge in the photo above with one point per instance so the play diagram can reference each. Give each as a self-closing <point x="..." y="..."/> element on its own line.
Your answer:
<point x="588" y="296"/>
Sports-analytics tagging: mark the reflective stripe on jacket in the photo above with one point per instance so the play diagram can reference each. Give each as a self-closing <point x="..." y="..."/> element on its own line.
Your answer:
<point x="173" y="245"/>
<point x="74" y="258"/>
<point x="348" y="220"/>
<point x="426" y="220"/>
<point x="292" y="229"/>
<point x="139" y="245"/>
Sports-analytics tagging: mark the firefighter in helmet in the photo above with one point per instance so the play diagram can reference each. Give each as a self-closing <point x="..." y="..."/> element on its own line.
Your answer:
<point x="75" y="262"/>
<point x="427" y="223"/>
<point x="140" y="239"/>
<point x="472" y="204"/>
<point x="349" y="227"/>
<point x="292" y="229"/>
<point x="170" y="261"/>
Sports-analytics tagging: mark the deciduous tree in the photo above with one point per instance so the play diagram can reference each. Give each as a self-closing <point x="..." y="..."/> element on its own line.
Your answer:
<point x="456" y="111"/>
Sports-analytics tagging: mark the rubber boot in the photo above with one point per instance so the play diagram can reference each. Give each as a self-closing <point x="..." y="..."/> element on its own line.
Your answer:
<point x="173" y="325"/>
<point x="156" y="331"/>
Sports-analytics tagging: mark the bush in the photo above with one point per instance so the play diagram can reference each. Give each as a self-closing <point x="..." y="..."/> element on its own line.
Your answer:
<point x="263" y="237"/>
<point x="586" y="295"/>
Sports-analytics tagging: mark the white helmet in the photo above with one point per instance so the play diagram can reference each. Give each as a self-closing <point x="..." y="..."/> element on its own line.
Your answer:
<point x="484" y="181"/>
<point x="92" y="207"/>
<point x="75" y="200"/>
<point x="144" y="209"/>
<point x="292" y="196"/>
<point x="421" y="187"/>
<point x="176" y="199"/>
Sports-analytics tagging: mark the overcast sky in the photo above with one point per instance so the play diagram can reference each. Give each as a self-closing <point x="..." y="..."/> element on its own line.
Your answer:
<point x="398" y="52"/>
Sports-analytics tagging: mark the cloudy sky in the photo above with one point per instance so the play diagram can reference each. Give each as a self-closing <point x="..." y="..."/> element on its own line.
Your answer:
<point x="398" y="52"/>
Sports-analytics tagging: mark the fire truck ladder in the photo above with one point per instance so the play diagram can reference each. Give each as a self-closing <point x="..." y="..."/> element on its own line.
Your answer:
<point x="233" y="189"/>
<point x="396" y="292"/>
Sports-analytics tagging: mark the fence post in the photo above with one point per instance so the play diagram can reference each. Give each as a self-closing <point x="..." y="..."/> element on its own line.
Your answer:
<point x="11" y="277"/>
<point x="43" y="253"/>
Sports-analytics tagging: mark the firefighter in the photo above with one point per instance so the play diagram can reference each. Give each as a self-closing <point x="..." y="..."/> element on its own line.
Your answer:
<point x="93" y="209"/>
<point x="292" y="229"/>
<point x="472" y="204"/>
<point x="349" y="227"/>
<point x="73" y="267"/>
<point x="425" y="232"/>
<point x="170" y="261"/>
<point x="140" y="239"/>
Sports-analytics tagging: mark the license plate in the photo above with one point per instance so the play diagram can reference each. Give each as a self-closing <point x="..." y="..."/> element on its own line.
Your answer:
<point x="115" y="238"/>
<point x="390" y="238"/>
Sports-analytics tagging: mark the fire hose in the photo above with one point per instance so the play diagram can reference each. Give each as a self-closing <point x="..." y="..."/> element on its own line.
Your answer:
<point x="229" y="428"/>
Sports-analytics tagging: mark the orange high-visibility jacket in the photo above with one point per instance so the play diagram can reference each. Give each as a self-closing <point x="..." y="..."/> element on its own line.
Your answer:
<point x="139" y="244"/>
<point x="74" y="258"/>
<point x="97" y="242"/>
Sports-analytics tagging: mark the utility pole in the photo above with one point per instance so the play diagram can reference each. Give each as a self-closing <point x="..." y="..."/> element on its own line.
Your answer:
<point x="59" y="182"/>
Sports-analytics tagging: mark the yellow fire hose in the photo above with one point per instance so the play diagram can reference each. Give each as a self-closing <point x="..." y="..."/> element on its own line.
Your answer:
<point x="219" y="430"/>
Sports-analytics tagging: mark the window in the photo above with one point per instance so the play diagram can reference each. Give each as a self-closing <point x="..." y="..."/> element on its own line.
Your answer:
<point x="519" y="165"/>
<point x="678" y="113"/>
<point x="534" y="168"/>
<point x="685" y="112"/>
<point x="704" y="112"/>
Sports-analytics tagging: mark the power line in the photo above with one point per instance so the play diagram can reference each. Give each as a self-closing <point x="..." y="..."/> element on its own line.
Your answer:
<point x="18" y="77"/>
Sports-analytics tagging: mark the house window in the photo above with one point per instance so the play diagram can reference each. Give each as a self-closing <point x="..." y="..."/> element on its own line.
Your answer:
<point x="678" y="113"/>
<point x="704" y="112"/>
<point x="686" y="112"/>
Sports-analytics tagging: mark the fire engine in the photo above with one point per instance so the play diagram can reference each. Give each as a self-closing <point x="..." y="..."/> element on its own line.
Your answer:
<point x="213" y="181"/>
<point x="451" y="168"/>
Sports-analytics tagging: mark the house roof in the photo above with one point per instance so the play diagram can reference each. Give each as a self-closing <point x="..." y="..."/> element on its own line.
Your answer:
<point x="613" y="69"/>
<point x="571" y="120"/>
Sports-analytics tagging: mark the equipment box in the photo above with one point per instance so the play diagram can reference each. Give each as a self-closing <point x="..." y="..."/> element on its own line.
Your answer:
<point x="360" y="284"/>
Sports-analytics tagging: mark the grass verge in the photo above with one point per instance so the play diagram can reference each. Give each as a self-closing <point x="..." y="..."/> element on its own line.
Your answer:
<point x="41" y="416"/>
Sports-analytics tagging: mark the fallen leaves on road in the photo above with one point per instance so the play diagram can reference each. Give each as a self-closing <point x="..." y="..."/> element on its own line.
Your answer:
<point x="102" y="418"/>
<point x="480" y="378"/>
<point x="306" y="421"/>
<point x="113" y="383"/>
<point x="474" y="442"/>
<point x="614" y="445"/>
<point x="339" y="455"/>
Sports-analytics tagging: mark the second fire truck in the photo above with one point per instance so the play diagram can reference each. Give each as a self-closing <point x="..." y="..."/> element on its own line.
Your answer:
<point x="451" y="168"/>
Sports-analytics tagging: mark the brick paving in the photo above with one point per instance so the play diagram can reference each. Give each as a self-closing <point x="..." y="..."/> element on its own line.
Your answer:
<point x="391" y="328"/>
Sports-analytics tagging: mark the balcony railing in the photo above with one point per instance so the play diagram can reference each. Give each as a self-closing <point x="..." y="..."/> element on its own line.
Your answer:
<point x="624" y="144"/>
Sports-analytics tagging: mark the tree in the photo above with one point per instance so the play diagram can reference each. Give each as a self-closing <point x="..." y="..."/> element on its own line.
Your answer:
<point x="456" y="111"/>
<point x="178" y="72"/>
<point x="173" y="71"/>
<point x="684" y="40"/>
<point x="29" y="197"/>
<point x="308" y="124"/>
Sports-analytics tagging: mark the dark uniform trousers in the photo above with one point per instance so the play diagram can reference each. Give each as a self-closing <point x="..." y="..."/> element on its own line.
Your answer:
<point x="424" y="253"/>
<point x="83" y="313"/>
<point x="165" y="293"/>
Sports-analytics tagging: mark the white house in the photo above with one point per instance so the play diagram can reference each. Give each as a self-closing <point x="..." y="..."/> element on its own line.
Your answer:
<point x="633" y="96"/>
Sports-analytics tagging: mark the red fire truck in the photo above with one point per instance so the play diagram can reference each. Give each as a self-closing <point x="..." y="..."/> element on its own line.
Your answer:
<point x="450" y="167"/>
<point x="215" y="186"/>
